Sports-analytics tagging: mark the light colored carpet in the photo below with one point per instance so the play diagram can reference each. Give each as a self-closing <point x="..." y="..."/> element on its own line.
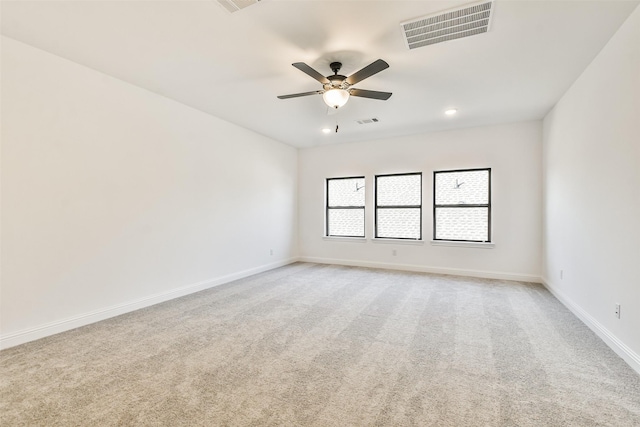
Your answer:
<point x="319" y="345"/>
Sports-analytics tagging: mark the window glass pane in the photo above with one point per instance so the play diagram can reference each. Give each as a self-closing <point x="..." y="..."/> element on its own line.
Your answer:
<point x="346" y="222"/>
<point x="399" y="190"/>
<point x="346" y="192"/>
<point x="462" y="188"/>
<point x="403" y="223"/>
<point x="462" y="224"/>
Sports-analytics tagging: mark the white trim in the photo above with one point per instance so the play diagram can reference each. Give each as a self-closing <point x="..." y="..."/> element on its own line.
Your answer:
<point x="52" y="328"/>
<point x="397" y="241"/>
<point x="482" y="245"/>
<point x="345" y="239"/>
<point x="620" y="348"/>
<point x="427" y="269"/>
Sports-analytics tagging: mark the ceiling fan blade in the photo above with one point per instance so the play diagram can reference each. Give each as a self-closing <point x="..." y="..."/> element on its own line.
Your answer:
<point x="296" y="95"/>
<point x="311" y="72"/>
<point x="368" y="71"/>
<point x="373" y="94"/>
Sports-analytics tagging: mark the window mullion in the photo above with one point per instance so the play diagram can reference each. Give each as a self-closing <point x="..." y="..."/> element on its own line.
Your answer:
<point x="463" y="206"/>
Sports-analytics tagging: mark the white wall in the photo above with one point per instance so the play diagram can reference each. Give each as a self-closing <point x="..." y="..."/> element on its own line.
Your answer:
<point x="592" y="193"/>
<point x="513" y="152"/>
<point x="114" y="198"/>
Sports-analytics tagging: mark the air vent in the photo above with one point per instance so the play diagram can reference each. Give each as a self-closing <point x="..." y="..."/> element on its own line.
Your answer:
<point x="450" y="25"/>
<point x="367" y="121"/>
<point x="236" y="5"/>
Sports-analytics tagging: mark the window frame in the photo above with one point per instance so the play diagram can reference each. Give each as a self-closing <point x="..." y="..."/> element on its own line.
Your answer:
<point x="376" y="207"/>
<point x="487" y="205"/>
<point x="327" y="208"/>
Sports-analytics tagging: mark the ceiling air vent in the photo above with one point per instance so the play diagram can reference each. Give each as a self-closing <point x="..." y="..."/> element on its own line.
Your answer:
<point x="453" y="24"/>
<point x="236" y="5"/>
<point x="367" y="121"/>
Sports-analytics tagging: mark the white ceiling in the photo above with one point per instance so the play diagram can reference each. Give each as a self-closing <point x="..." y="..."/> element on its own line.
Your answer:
<point x="234" y="65"/>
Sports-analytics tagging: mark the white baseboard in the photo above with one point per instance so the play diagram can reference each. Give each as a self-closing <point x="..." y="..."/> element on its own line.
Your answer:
<point x="427" y="269"/>
<point x="52" y="328"/>
<point x="621" y="349"/>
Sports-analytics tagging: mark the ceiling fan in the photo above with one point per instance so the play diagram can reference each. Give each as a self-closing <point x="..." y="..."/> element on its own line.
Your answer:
<point x="336" y="89"/>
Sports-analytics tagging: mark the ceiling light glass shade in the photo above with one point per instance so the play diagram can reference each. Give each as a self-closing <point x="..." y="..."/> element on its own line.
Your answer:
<point x="335" y="98"/>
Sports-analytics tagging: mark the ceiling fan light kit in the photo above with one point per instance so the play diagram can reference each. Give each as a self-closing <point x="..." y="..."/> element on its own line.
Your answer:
<point x="335" y="97"/>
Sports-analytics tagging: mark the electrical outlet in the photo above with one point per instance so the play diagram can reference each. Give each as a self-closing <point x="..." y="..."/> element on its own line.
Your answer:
<point x="271" y="252"/>
<point x="561" y="274"/>
<point x="618" y="311"/>
<point x="394" y="252"/>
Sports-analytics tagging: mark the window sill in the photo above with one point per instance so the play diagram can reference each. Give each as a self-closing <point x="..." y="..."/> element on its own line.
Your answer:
<point x="398" y="241"/>
<point x="481" y="245"/>
<point x="345" y="239"/>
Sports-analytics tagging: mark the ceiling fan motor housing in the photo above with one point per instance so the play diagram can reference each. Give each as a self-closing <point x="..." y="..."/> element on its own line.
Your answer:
<point x="336" y="81"/>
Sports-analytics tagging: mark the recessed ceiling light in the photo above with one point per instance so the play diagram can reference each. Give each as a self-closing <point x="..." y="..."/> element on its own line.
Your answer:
<point x="451" y="112"/>
<point x="326" y="130"/>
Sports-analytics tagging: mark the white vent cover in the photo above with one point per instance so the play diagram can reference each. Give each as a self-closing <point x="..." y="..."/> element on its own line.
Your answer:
<point x="236" y="5"/>
<point x="453" y="24"/>
<point x="367" y="121"/>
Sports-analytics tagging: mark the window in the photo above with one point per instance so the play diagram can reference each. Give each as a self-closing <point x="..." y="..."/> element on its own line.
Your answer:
<point x="399" y="206"/>
<point x="462" y="205"/>
<point x="345" y="207"/>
